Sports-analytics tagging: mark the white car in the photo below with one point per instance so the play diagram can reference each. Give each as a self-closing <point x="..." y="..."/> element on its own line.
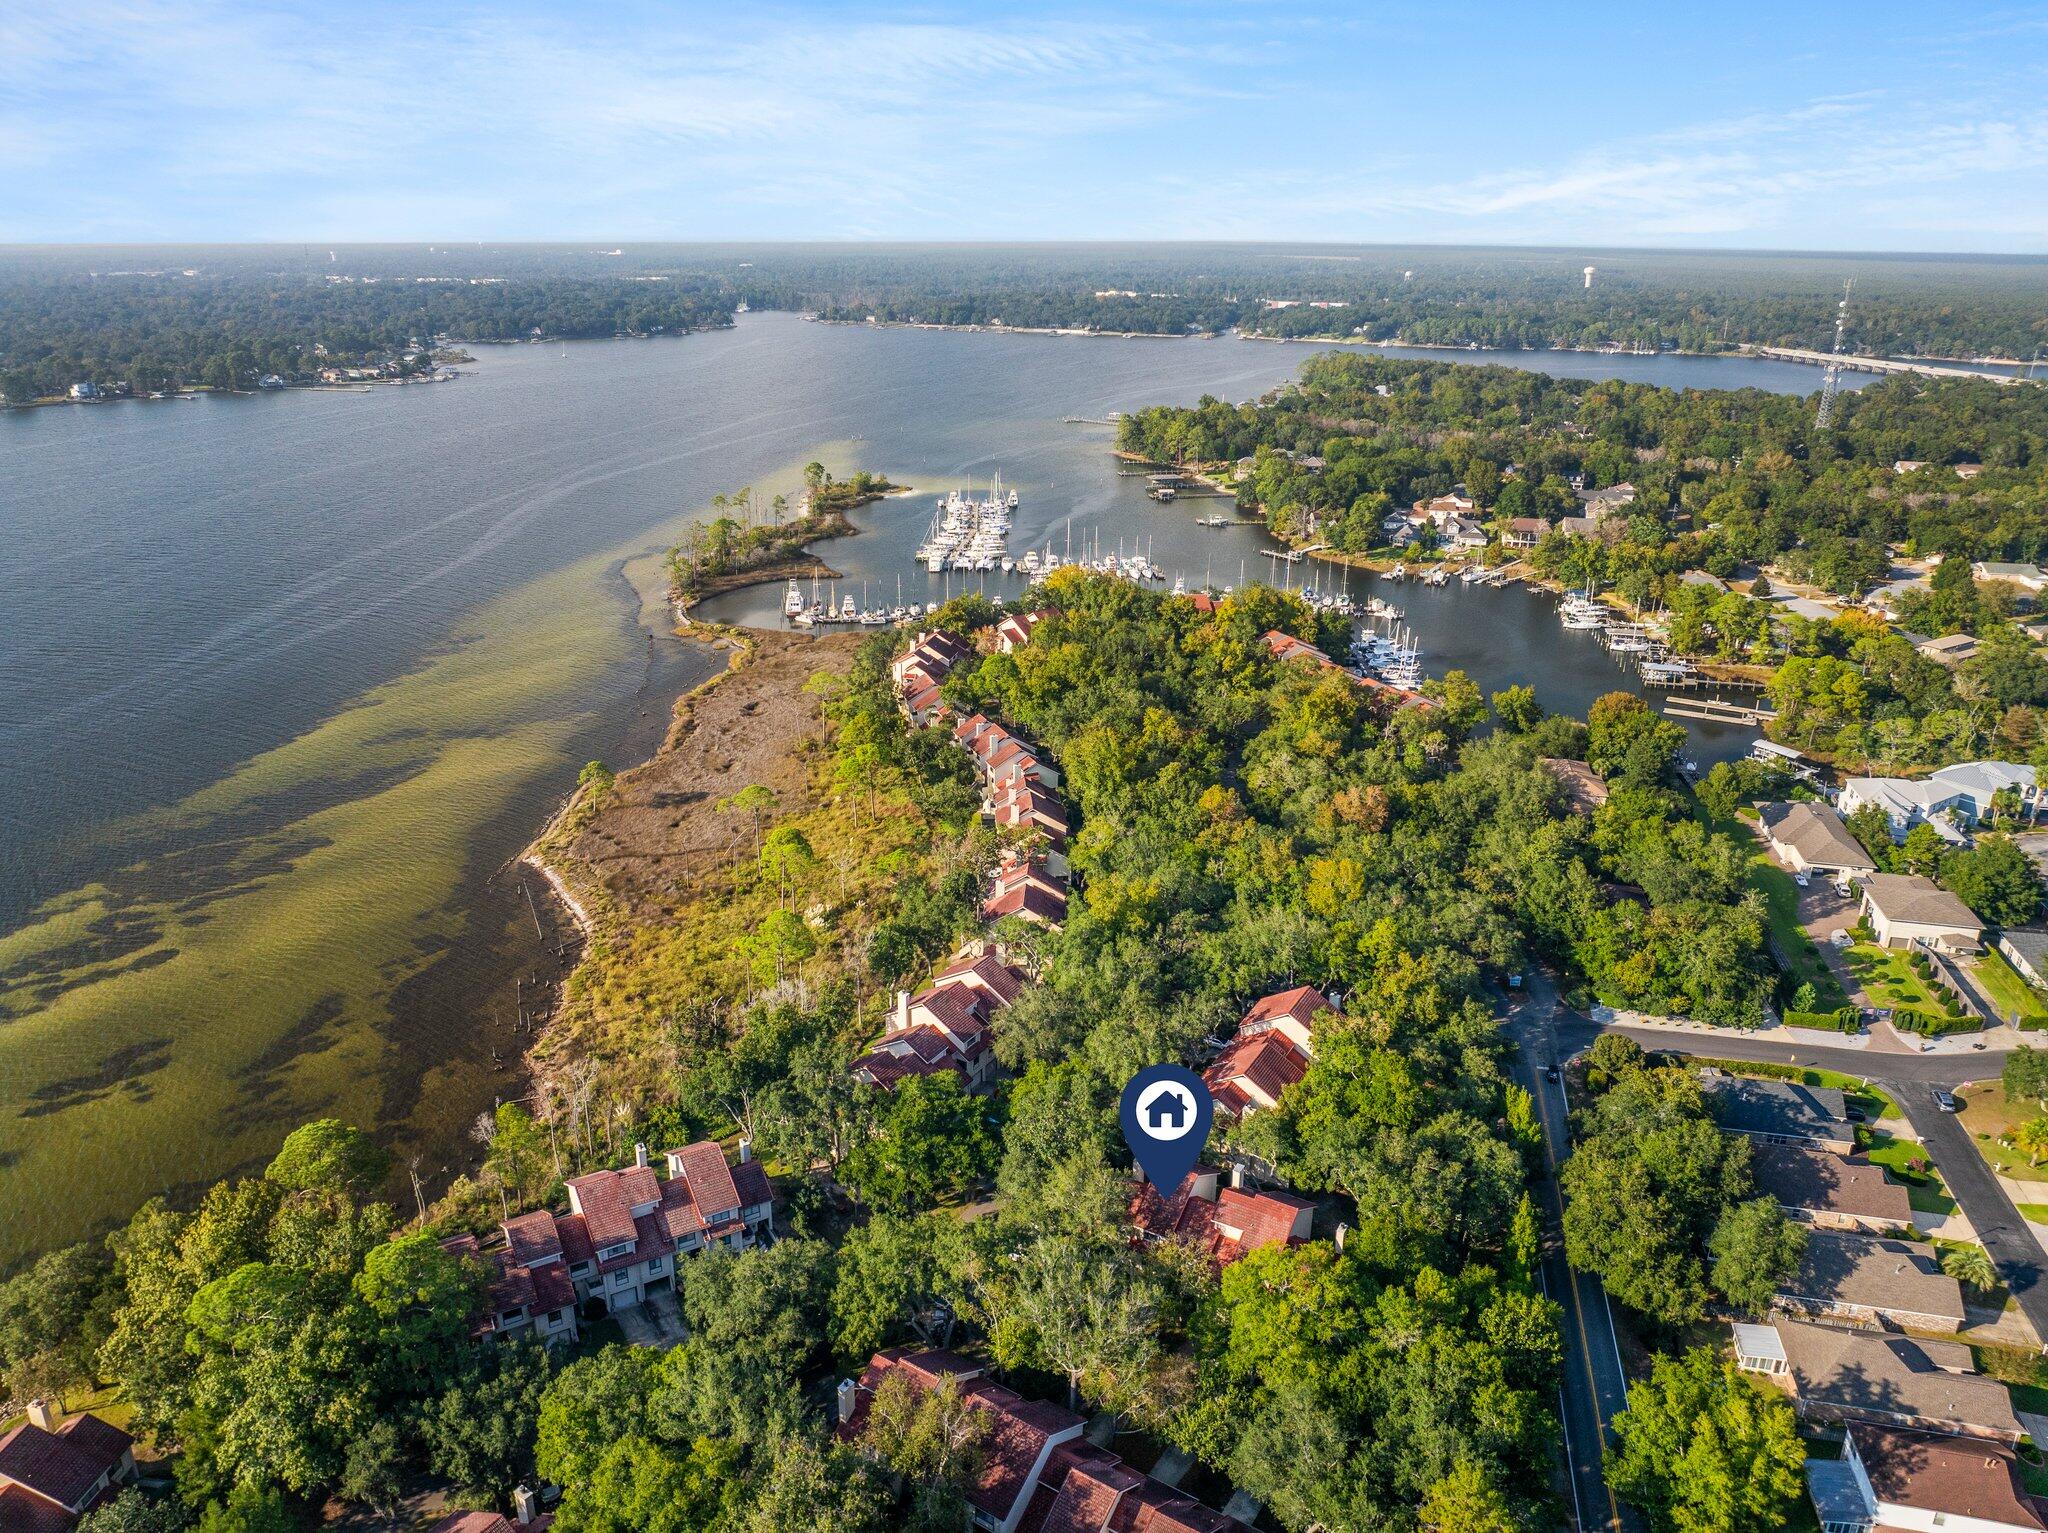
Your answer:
<point x="1802" y="879"/>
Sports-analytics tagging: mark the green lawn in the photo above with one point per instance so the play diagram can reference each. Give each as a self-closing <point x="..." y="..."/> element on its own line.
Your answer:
<point x="2036" y="1213"/>
<point x="1888" y="979"/>
<point x="1989" y="1118"/>
<point x="1924" y="1189"/>
<point x="2010" y="993"/>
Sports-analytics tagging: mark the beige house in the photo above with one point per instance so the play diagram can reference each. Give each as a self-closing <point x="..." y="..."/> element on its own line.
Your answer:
<point x="1834" y="1375"/>
<point x="1811" y="838"/>
<point x="1905" y="908"/>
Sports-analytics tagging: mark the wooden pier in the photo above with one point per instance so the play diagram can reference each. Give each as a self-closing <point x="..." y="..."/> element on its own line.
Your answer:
<point x="1712" y="710"/>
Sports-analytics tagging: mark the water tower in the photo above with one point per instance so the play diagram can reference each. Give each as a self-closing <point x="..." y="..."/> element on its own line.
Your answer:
<point x="1589" y="276"/>
<point x="1407" y="276"/>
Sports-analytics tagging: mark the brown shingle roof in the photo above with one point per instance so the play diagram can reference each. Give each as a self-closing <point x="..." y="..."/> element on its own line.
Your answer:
<point x="1953" y="1476"/>
<point x="23" y="1511"/>
<point x="61" y="1465"/>
<point x="1891" y="1275"/>
<point x="1920" y="901"/>
<point x="1895" y="1376"/>
<point x="709" y="1178"/>
<point x="1819" y="1181"/>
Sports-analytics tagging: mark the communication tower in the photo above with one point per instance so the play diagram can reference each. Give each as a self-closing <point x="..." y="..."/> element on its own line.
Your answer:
<point x="1832" y="384"/>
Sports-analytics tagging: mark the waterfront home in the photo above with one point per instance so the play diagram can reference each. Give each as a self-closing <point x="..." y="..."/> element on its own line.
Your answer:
<point x="1228" y="1221"/>
<point x="1285" y="646"/>
<point x="1887" y="1482"/>
<point x="621" y="1238"/>
<point x="1959" y="795"/>
<point x="1035" y="1469"/>
<point x="1779" y="1112"/>
<point x="1441" y="508"/>
<point x="1830" y="1191"/>
<point x="1584" y="788"/>
<point x="1835" y="1375"/>
<point x="2027" y="951"/>
<point x="54" y="1471"/>
<point x="948" y="1026"/>
<point x="1905" y="908"/>
<point x="1014" y="631"/>
<point x="1462" y="535"/>
<point x="1523" y="531"/>
<point x="1811" y="838"/>
<point x="1577" y="526"/>
<point x="2030" y="578"/>
<point x="1270" y="1052"/>
<point x="1868" y="1280"/>
<point x="85" y="390"/>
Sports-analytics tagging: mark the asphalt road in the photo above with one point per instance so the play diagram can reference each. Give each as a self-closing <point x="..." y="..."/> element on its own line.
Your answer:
<point x="1910" y="1080"/>
<point x="1595" y="1389"/>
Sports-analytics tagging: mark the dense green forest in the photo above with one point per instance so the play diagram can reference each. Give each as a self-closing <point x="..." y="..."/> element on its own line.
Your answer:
<point x="1243" y="823"/>
<point x="157" y="317"/>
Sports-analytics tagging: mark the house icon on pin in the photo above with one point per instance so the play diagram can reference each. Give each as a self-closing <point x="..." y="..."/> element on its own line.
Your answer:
<point x="1167" y="1110"/>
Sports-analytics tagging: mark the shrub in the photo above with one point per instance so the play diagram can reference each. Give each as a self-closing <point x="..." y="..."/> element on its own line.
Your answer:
<point x="1845" y="1019"/>
<point x="1931" y="1024"/>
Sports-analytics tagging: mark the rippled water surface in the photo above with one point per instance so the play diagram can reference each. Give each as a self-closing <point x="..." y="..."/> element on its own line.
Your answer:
<point x="286" y="680"/>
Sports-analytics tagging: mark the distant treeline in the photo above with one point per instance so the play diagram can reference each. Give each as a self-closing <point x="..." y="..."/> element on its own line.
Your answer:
<point x="161" y="317"/>
<point x="164" y="330"/>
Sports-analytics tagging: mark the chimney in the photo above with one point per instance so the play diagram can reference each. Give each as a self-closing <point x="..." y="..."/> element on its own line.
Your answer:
<point x="849" y="1392"/>
<point x="1237" y="1175"/>
<point x="640" y="1154"/>
<point x="902" y="1010"/>
<point x="746" y="1149"/>
<point x="525" y="1506"/>
<point x="42" y="1414"/>
<point x="1341" y="1228"/>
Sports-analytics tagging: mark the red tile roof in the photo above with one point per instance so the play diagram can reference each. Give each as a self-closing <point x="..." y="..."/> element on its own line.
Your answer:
<point x="710" y="1179"/>
<point x="1029" y="901"/>
<point x="62" y="1465"/>
<point x="1285" y="646"/>
<point x="983" y="971"/>
<point x="1300" y="1003"/>
<point x="1266" y="1061"/>
<point x="1261" y="1219"/>
<point x="532" y="1237"/>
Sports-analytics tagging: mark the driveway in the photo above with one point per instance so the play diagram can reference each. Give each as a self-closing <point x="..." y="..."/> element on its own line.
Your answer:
<point x="654" y="1323"/>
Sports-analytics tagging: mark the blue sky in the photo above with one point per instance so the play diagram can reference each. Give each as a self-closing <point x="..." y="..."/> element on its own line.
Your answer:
<point x="1795" y="124"/>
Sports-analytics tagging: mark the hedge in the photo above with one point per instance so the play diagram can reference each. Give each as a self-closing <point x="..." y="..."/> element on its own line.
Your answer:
<point x="1931" y="1023"/>
<point x="1846" y="1019"/>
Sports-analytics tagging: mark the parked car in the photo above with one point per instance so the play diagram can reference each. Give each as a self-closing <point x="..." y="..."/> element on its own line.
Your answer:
<point x="1946" y="1101"/>
<point x="1552" y="1073"/>
<point x="1802" y="879"/>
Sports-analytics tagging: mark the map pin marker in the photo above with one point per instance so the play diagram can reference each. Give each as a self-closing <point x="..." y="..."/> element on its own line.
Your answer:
<point x="1166" y="1112"/>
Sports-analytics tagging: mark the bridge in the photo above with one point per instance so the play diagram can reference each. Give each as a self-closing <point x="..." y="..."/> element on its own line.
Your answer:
<point x="1876" y="364"/>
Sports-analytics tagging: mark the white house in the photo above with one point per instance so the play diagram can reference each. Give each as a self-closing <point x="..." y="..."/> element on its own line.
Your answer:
<point x="1904" y="908"/>
<point x="1919" y="1480"/>
<point x="1957" y="795"/>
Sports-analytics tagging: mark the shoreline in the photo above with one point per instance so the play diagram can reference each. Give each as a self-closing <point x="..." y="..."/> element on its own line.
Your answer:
<point x="800" y="564"/>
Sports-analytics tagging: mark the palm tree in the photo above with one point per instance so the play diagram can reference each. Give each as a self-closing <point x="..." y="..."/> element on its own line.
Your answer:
<point x="1971" y="1266"/>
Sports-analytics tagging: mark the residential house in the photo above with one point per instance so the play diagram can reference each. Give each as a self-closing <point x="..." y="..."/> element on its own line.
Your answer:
<point x="1463" y="535"/>
<point x="931" y="654"/>
<point x="1811" y="838"/>
<point x="2027" y="951"/>
<point x="1523" y="531"/>
<point x="621" y="1238"/>
<point x="1870" y="1280"/>
<point x="1956" y="795"/>
<point x="1830" y="1191"/>
<point x="1780" y="1112"/>
<point x="1270" y="1052"/>
<point x="1905" y="908"/>
<point x="1035" y="1469"/>
<point x="1950" y="649"/>
<point x="1026" y="888"/>
<point x="1584" y="788"/>
<point x="53" y="1471"/>
<point x="1887" y="1380"/>
<point x="1016" y="630"/>
<point x="1285" y="646"/>
<point x="1813" y="610"/>
<point x="1441" y="508"/>
<point x="1027" y="805"/>
<point x="1908" y="465"/>
<point x="1969" y="470"/>
<point x="1229" y="1221"/>
<point x="527" y="1517"/>
<point x="1601" y="504"/>
<point x="1889" y="1482"/>
<point x="946" y="1026"/>
<point x="2030" y="578"/>
<point x="1577" y="526"/>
